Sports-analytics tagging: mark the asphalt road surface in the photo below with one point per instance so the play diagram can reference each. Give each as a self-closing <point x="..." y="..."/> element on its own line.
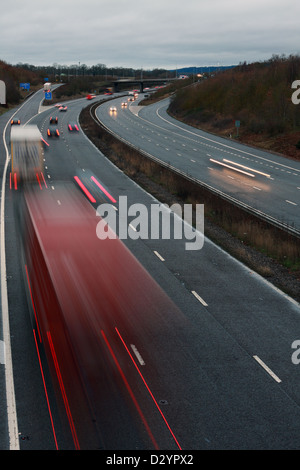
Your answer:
<point x="265" y="181"/>
<point x="215" y="371"/>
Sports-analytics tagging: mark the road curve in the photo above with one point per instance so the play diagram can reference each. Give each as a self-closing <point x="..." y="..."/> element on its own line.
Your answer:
<point x="264" y="181"/>
<point x="220" y="368"/>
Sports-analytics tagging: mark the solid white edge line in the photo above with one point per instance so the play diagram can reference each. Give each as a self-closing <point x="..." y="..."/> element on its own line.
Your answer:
<point x="267" y="369"/>
<point x="13" y="432"/>
<point x="2" y="352"/>
<point x="9" y="378"/>
<point x="216" y="141"/>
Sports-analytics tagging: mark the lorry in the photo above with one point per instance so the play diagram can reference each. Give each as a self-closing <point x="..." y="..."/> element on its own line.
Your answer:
<point x="47" y="87"/>
<point x="26" y="152"/>
<point x="85" y="293"/>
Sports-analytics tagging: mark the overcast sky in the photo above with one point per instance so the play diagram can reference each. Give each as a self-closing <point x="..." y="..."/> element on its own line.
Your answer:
<point x="147" y="33"/>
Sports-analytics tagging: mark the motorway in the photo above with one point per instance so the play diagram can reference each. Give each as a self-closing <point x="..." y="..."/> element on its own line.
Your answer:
<point x="217" y="361"/>
<point x="266" y="182"/>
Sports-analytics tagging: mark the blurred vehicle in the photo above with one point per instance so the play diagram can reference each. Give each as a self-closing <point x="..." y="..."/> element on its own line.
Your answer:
<point x="53" y="120"/>
<point x="113" y="109"/>
<point x="47" y="86"/>
<point x="108" y="91"/>
<point x="63" y="108"/>
<point x="52" y="132"/>
<point x="58" y="105"/>
<point x="83" y="288"/>
<point x="72" y="126"/>
<point x="26" y="152"/>
<point x="124" y="104"/>
<point x="131" y="99"/>
<point x="90" y="96"/>
<point x="15" y="121"/>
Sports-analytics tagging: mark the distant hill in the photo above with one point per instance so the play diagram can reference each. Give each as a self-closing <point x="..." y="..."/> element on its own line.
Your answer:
<point x="204" y="69"/>
<point x="258" y="95"/>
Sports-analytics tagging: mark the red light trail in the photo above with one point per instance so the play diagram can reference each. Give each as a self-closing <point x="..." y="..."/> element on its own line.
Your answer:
<point x="147" y="387"/>
<point x="84" y="189"/>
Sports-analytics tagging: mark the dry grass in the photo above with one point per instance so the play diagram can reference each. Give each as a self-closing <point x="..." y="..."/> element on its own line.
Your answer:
<point x="261" y="246"/>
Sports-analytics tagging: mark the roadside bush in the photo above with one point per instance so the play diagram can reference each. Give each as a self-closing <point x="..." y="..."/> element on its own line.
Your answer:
<point x="259" y="93"/>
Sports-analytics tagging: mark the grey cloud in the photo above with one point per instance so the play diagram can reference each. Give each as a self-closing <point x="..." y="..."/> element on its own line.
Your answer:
<point x="165" y="33"/>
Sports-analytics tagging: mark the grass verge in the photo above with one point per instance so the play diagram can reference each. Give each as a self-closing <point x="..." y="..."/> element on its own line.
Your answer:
<point x="271" y="252"/>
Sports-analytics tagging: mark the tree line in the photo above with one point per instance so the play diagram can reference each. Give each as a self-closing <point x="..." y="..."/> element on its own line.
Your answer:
<point x="256" y="94"/>
<point x="79" y="77"/>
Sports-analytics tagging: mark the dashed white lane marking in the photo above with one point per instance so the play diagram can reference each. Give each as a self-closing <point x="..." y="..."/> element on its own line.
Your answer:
<point x="137" y="355"/>
<point x="291" y="202"/>
<point x="267" y="369"/>
<point x="159" y="256"/>
<point x="199" y="298"/>
<point x="132" y="227"/>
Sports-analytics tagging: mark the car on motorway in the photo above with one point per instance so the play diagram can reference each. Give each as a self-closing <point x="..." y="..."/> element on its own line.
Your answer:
<point x="90" y="96"/>
<point x="124" y="104"/>
<point x="113" y="109"/>
<point x="58" y="105"/>
<point x="63" y="108"/>
<point x="53" y="120"/>
<point x="52" y="132"/>
<point x="72" y="126"/>
<point x="15" y="121"/>
<point x="131" y="99"/>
